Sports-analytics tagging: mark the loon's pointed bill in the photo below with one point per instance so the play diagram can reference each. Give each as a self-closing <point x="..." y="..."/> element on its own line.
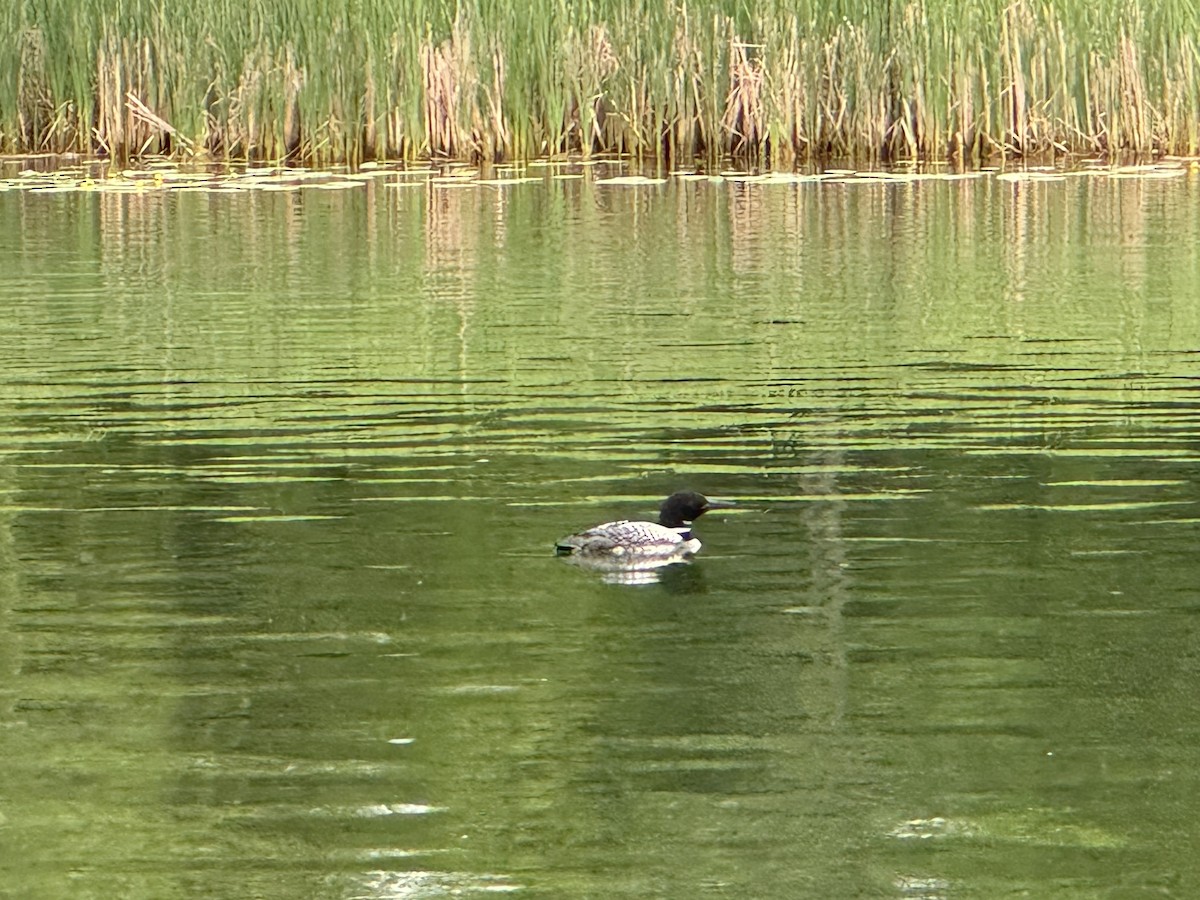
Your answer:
<point x="628" y="544"/>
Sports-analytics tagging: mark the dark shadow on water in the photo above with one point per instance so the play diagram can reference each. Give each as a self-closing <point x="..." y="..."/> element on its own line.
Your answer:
<point x="683" y="578"/>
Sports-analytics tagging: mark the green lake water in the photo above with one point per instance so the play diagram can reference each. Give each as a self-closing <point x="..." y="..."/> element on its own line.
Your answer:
<point x="281" y="474"/>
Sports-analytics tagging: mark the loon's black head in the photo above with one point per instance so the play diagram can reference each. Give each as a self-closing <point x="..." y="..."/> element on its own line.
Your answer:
<point x="684" y="507"/>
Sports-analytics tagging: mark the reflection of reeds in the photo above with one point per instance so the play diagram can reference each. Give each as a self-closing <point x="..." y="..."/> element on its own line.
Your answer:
<point x="668" y="81"/>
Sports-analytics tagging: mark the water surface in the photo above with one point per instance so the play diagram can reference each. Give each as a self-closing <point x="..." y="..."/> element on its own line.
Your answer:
<point x="280" y="474"/>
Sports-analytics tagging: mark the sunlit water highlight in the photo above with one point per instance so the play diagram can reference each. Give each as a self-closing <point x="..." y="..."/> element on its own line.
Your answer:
<point x="282" y="472"/>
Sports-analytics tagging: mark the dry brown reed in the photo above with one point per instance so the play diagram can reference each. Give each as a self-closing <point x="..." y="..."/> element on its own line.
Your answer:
<point x="590" y="64"/>
<point x="742" y="122"/>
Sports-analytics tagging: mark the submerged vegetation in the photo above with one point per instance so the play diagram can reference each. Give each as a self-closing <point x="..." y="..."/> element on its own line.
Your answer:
<point x="771" y="83"/>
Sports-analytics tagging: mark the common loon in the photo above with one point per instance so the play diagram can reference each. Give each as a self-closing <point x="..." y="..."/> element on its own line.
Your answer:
<point x="627" y="544"/>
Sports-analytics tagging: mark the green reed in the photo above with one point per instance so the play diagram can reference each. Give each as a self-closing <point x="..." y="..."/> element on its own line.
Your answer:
<point x="772" y="82"/>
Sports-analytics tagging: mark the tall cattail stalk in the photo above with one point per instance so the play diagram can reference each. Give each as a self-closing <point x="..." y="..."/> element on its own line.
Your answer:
<point x="774" y="83"/>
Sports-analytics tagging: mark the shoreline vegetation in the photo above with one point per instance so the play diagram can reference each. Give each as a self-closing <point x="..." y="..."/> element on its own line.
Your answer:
<point x="772" y="85"/>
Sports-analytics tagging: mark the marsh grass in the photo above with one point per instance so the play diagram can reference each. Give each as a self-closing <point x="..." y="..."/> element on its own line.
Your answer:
<point x="668" y="82"/>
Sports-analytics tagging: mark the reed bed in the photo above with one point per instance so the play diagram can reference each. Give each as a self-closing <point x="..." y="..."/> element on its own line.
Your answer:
<point x="771" y="84"/>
